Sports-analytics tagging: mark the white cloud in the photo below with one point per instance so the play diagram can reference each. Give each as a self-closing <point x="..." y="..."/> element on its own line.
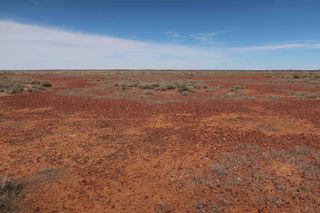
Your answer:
<point x="285" y="46"/>
<point x="201" y="37"/>
<point x="26" y="46"/>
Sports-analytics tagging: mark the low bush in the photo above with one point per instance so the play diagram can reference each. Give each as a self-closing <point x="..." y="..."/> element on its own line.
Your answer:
<point x="220" y="169"/>
<point x="183" y="87"/>
<point x="164" y="86"/>
<point x="37" y="88"/>
<point x="35" y="82"/>
<point x="235" y="88"/>
<point x="147" y="92"/>
<point x="9" y="191"/>
<point x="13" y="89"/>
<point x="185" y="93"/>
<point x="148" y="85"/>
<point x="46" y="84"/>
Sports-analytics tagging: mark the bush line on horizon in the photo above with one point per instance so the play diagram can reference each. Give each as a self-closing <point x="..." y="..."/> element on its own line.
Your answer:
<point x="182" y="87"/>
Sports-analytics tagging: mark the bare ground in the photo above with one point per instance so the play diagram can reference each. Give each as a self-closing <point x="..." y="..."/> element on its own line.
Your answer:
<point x="240" y="141"/>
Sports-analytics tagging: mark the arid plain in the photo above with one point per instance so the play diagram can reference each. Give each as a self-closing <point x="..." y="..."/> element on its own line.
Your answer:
<point x="160" y="141"/>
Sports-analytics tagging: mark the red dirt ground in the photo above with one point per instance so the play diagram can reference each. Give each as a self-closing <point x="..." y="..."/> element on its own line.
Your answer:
<point x="86" y="146"/>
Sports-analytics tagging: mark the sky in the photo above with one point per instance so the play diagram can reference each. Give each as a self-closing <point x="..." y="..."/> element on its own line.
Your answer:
<point x="159" y="34"/>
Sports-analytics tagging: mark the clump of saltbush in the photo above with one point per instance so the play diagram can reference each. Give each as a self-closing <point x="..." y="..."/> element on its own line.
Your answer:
<point x="46" y="84"/>
<point x="14" y="86"/>
<point x="13" y="89"/>
<point x="183" y="88"/>
<point x="235" y="88"/>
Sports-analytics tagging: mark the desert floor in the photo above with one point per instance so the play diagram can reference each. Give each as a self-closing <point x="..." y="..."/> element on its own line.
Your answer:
<point x="161" y="141"/>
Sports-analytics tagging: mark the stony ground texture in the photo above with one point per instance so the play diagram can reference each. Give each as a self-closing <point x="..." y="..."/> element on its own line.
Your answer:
<point x="235" y="142"/>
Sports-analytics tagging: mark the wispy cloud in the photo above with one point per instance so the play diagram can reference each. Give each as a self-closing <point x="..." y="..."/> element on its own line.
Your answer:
<point x="280" y="46"/>
<point x="35" y="2"/>
<point x="204" y="37"/>
<point x="199" y="37"/>
<point x="26" y="46"/>
<point x="174" y="34"/>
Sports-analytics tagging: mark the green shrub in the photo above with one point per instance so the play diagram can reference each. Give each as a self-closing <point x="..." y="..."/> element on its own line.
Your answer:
<point x="14" y="89"/>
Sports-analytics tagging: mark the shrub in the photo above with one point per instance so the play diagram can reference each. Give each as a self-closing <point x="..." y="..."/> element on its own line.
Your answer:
<point x="46" y="84"/>
<point x="147" y="86"/>
<point x="37" y="88"/>
<point x="185" y="93"/>
<point x="171" y="86"/>
<point x="9" y="191"/>
<point x="161" y="88"/>
<point x="179" y="83"/>
<point x="235" y="88"/>
<point x="220" y="169"/>
<point x="37" y="82"/>
<point x="296" y="76"/>
<point x="184" y="87"/>
<point x="135" y="84"/>
<point x="154" y="85"/>
<point x="123" y="86"/>
<point x="197" y="86"/>
<point x="13" y="89"/>
<point x="29" y="89"/>
<point x="147" y="92"/>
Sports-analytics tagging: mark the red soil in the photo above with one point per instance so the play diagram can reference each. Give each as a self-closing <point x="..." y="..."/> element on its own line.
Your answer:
<point x="91" y="153"/>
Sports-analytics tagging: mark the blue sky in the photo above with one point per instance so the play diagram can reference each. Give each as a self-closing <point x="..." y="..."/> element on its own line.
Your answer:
<point x="195" y="34"/>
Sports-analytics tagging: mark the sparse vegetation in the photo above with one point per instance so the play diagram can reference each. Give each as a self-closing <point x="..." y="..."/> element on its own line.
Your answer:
<point x="235" y="88"/>
<point x="163" y="149"/>
<point x="296" y="77"/>
<point x="14" y="88"/>
<point x="184" y="93"/>
<point x="182" y="87"/>
<point x="163" y="208"/>
<point x="220" y="169"/>
<point x="147" y="92"/>
<point x="37" y="88"/>
<point x="9" y="192"/>
<point x="213" y="89"/>
<point x="46" y="84"/>
<point x="281" y="170"/>
<point x="13" y="85"/>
